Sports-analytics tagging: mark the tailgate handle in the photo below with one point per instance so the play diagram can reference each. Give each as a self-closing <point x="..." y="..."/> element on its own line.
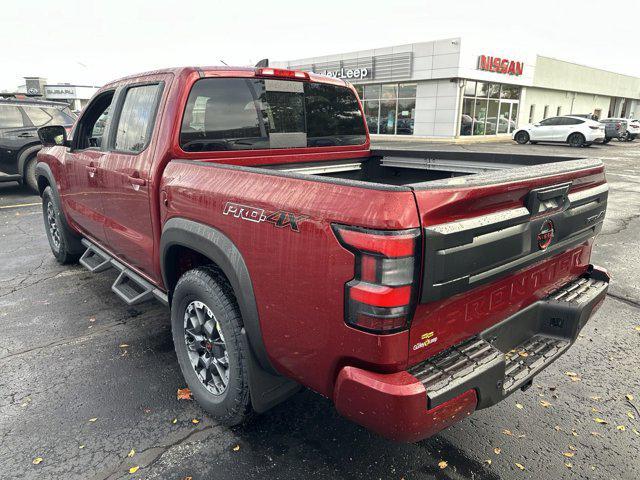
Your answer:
<point x="548" y="199"/>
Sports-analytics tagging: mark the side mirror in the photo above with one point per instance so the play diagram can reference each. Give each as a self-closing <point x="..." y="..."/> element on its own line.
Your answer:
<point x="53" y="135"/>
<point x="537" y="124"/>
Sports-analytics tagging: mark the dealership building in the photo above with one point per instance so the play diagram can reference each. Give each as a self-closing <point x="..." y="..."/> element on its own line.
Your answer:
<point x="449" y="88"/>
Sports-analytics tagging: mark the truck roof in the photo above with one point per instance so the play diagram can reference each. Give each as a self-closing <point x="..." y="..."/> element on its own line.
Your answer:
<point x="222" y="69"/>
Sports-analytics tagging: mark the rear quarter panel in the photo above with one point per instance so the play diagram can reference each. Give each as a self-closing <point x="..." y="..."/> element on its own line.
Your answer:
<point x="298" y="277"/>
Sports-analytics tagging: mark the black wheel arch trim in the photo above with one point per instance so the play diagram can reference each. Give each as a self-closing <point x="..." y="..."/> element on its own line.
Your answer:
<point x="267" y="386"/>
<point x="215" y="245"/>
<point x="43" y="170"/>
<point x="24" y="156"/>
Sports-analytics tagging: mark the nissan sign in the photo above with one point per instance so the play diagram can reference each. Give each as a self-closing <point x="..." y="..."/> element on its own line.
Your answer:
<point x="500" y="65"/>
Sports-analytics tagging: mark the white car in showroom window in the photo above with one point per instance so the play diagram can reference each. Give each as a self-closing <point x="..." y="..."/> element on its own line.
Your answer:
<point x="576" y="131"/>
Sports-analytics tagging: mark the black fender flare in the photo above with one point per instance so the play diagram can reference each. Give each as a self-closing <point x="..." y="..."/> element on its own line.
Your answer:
<point x="73" y="241"/>
<point x="24" y="155"/>
<point x="267" y="387"/>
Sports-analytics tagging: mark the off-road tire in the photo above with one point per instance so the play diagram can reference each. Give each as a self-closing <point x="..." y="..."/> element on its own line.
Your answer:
<point x="64" y="244"/>
<point x="209" y="286"/>
<point x="522" y="137"/>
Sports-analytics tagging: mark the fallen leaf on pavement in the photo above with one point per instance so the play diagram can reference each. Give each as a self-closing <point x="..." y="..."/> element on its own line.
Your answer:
<point x="571" y="447"/>
<point x="80" y="447"/>
<point x="174" y="421"/>
<point x="507" y="432"/>
<point x="37" y="460"/>
<point x="571" y="374"/>
<point x="635" y="431"/>
<point x="558" y="428"/>
<point x="133" y="470"/>
<point x="92" y="319"/>
<point x="488" y="461"/>
<point x="545" y="404"/>
<point x="596" y="398"/>
<point x="622" y="428"/>
<point x="497" y="451"/>
<point x="442" y="464"/>
<point x="596" y="434"/>
<point x="184" y="394"/>
<point x="600" y="420"/>
<point x="236" y="448"/>
<point x="568" y="454"/>
<point x="574" y="433"/>
<point x="629" y="397"/>
<point x="123" y="345"/>
<point x="630" y="415"/>
<point x="195" y="421"/>
<point x="520" y="466"/>
<point x="93" y="419"/>
<point x="519" y="406"/>
<point x="568" y="465"/>
<point x="637" y="328"/>
<point x="131" y="453"/>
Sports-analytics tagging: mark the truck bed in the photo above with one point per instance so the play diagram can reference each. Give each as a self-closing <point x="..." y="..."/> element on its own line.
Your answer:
<point x="418" y="168"/>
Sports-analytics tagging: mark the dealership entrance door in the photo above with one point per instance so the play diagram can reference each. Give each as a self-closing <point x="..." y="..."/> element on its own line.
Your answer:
<point x="489" y="108"/>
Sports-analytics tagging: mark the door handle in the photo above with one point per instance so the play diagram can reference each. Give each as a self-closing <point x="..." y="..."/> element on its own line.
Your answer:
<point x="26" y="135"/>
<point x="137" y="181"/>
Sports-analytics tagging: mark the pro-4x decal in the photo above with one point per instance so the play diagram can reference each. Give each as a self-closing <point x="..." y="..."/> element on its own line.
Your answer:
<point x="279" y="219"/>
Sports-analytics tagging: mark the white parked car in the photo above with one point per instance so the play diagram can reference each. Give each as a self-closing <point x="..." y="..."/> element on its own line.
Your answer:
<point x="633" y="129"/>
<point x="576" y="131"/>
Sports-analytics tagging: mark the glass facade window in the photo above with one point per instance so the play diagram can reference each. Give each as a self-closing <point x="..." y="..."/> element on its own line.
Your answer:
<point x="390" y="109"/>
<point x="489" y="108"/>
<point x="470" y="89"/>
<point x="371" y="92"/>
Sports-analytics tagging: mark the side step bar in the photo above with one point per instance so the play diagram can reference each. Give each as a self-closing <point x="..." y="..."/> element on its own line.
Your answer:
<point x="129" y="286"/>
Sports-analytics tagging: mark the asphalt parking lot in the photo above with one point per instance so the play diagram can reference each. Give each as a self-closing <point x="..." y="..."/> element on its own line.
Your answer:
<point x="88" y="385"/>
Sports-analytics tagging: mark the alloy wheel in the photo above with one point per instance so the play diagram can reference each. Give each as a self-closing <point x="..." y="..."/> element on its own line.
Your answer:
<point x="206" y="347"/>
<point x="53" y="225"/>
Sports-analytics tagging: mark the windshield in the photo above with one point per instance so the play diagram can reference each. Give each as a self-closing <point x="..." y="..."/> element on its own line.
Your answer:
<point x="242" y="114"/>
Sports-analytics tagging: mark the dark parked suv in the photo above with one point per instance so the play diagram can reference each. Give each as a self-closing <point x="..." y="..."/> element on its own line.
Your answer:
<point x="19" y="143"/>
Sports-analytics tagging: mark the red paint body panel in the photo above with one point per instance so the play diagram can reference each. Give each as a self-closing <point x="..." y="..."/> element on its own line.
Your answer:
<point x="395" y="405"/>
<point x="299" y="277"/>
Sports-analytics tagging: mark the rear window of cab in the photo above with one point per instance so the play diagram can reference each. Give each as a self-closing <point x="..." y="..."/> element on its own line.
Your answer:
<point x="250" y="114"/>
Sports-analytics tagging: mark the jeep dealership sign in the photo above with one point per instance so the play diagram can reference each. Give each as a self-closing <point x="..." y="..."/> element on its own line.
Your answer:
<point x="500" y="65"/>
<point x="348" y="73"/>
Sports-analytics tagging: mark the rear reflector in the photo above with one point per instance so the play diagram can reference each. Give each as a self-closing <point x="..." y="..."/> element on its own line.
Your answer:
<point x="381" y="296"/>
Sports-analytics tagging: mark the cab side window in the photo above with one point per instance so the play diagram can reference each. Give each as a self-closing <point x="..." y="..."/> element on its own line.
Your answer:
<point x="135" y="121"/>
<point x="89" y="132"/>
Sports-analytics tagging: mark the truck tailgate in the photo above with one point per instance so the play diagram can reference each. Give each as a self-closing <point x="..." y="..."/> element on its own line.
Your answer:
<point x="497" y="242"/>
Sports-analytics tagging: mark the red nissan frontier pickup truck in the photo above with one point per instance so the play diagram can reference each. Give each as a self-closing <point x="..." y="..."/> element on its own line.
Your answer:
<point x="409" y="287"/>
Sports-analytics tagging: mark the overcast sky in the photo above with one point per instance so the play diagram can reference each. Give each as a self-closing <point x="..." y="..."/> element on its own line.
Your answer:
<point x="87" y="42"/>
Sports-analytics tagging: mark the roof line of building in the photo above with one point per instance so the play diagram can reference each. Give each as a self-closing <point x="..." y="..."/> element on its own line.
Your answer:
<point x="587" y="66"/>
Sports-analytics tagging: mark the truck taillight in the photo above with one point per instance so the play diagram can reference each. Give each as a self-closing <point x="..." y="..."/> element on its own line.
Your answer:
<point x="381" y="296"/>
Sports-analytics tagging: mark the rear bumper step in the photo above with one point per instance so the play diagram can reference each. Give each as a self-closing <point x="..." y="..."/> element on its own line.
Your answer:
<point x="129" y="286"/>
<point x="505" y="357"/>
